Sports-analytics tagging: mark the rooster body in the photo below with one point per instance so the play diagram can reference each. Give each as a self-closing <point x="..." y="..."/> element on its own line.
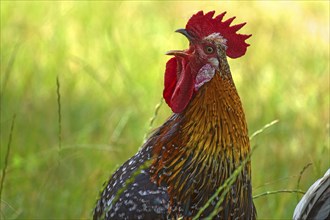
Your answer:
<point x="186" y="160"/>
<point x="315" y="204"/>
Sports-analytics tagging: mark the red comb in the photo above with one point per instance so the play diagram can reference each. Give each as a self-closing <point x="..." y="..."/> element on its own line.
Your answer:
<point x="201" y="26"/>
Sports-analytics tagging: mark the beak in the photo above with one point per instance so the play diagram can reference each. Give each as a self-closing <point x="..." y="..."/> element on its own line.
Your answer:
<point x="185" y="33"/>
<point x="181" y="53"/>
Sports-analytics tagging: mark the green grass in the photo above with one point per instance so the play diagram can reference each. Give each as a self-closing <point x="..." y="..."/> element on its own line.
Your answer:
<point x="109" y="58"/>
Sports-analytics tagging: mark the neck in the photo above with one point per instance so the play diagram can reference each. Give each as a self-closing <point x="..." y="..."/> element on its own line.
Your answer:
<point x="197" y="150"/>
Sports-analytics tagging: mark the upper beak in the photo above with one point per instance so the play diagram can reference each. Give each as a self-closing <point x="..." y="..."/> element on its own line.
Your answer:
<point x="185" y="33"/>
<point x="181" y="53"/>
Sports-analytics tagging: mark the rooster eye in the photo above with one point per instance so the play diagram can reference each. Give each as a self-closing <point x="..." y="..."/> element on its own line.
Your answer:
<point x="209" y="50"/>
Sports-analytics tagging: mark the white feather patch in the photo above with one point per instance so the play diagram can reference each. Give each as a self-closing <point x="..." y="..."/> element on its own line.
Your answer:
<point x="204" y="75"/>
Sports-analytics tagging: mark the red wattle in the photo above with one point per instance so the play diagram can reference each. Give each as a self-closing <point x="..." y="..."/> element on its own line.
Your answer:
<point x="183" y="91"/>
<point x="170" y="80"/>
<point x="179" y="86"/>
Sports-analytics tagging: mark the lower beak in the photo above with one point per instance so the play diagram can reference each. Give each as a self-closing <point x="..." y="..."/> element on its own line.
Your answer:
<point x="180" y="53"/>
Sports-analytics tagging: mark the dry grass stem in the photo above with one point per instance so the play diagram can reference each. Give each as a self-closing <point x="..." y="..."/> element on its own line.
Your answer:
<point x="7" y="156"/>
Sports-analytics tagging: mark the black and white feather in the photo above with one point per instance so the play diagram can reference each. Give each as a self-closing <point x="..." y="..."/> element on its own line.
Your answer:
<point x="315" y="204"/>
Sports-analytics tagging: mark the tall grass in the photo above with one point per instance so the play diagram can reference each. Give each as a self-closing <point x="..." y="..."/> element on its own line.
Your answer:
<point x="109" y="57"/>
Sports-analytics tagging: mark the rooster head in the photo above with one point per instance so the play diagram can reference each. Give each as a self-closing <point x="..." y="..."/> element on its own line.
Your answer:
<point x="211" y="40"/>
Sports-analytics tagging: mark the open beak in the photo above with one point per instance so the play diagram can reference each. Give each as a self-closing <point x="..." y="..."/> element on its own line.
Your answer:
<point x="181" y="53"/>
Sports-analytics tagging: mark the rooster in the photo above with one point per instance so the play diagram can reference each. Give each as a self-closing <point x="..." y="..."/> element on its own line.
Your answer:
<point x="187" y="159"/>
<point x="315" y="204"/>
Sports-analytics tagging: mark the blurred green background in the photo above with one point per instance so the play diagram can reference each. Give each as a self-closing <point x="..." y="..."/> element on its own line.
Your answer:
<point x="109" y="58"/>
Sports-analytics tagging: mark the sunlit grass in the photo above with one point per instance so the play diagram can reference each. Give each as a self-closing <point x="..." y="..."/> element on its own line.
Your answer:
<point x="109" y="58"/>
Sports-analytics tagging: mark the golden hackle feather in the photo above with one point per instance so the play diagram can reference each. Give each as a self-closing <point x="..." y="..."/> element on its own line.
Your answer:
<point x="198" y="149"/>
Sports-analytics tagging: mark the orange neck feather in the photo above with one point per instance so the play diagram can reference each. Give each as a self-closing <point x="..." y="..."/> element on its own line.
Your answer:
<point x="197" y="150"/>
